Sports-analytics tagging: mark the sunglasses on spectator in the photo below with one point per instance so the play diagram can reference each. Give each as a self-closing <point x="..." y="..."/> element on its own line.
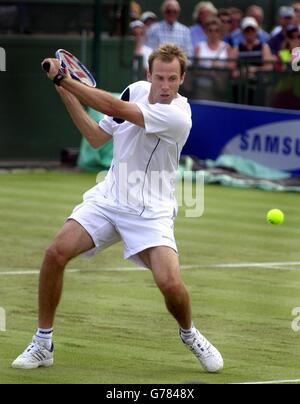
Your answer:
<point x="171" y="11"/>
<point x="226" y="21"/>
<point x="213" y="30"/>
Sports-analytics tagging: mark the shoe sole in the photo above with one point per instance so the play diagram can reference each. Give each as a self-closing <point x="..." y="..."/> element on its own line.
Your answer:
<point x="44" y="364"/>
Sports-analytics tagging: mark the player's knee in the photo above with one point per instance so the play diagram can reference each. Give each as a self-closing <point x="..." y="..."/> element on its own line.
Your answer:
<point x="170" y="287"/>
<point x="55" y="255"/>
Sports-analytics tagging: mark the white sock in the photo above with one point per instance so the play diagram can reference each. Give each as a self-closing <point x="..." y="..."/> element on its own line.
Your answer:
<point x="45" y="336"/>
<point x="186" y="334"/>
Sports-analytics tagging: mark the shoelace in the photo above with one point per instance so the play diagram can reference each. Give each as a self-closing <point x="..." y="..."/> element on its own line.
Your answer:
<point x="33" y="349"/>
<point x="200" y="347"/>
<point x="203" y="345"/>
<point x="30" y="348"/>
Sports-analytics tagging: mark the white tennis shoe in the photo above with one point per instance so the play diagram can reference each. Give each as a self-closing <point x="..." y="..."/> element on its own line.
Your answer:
<point x="209" y="357"/>
<point x="35" y="355"/>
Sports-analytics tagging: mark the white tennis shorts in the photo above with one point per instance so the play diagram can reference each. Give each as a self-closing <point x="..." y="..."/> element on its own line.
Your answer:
<point x="107" y="227"/>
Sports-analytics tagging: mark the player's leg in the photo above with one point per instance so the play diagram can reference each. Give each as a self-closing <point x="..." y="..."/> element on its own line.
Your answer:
<point x="88" y="230"/>
<point x="164" y="263"/>
<point x="71" y="241"/>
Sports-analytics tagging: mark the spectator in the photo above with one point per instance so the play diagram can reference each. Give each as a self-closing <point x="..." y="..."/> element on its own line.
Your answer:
<point x="296" y="7"/>
<point x="170" y="30"/>
<point x="214" y="53"/>
<point x="138" y="31"/>
<point x="203" y="12"/>
<point x="292" y="41"/>
<point x="257" y="12"/>
<point x="257" y="54"/>
<point x="234" y="36"/>
<point x="225" y="17"/>
<point x="148" y="18"/>
<point x="135" y="11"/>
<point x="286" y="18"/>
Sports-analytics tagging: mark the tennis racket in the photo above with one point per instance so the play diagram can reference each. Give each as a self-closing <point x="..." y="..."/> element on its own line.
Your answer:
<point x="69" y="63"/>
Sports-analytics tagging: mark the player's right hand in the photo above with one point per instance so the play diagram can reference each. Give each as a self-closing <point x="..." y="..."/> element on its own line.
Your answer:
<point x="67" y="97"/>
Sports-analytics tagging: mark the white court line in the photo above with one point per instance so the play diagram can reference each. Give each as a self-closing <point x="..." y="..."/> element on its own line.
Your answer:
<point x="273" y="382"/>
<point x="23" y="271"/>
<point x="73" y="271"/>
<point x="257" y="264"/>
<point x="287" y="266"/>
<point x="30" y="272"/>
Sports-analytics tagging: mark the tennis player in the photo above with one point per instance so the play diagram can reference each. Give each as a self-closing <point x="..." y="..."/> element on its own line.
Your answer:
<point x="149" y="126"/>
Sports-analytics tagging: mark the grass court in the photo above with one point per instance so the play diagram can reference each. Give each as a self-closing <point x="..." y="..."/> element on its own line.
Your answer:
<point x="112" y="327"/>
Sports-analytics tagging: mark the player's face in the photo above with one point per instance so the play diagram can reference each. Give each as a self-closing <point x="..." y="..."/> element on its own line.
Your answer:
<point x="165" y="79"/>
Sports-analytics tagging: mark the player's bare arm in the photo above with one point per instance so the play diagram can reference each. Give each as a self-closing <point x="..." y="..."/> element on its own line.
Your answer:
<point x="98" y="99"/>
<point x="96" y="136"/>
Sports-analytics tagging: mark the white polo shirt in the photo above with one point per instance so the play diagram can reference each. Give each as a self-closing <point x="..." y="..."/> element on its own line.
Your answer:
<point x="141" y="180"/>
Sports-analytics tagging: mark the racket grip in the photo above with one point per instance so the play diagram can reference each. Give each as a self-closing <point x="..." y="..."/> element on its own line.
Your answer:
<point x="46" y="66"/>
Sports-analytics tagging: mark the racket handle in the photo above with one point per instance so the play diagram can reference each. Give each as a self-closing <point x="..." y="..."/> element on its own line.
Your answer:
<point x="46" y="66"/>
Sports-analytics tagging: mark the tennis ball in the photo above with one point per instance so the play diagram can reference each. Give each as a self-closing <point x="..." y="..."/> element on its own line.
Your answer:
<point x="275" y="216"/>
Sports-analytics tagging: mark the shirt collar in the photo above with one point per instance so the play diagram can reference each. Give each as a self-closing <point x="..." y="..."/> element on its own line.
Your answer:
<point x="169" y="26"/>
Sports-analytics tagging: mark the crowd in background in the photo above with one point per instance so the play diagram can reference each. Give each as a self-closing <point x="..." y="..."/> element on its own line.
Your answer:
<point x="218" y="37"/>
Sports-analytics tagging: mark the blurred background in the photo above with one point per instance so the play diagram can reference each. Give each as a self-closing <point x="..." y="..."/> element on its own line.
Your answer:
<point x="112" y="38"/>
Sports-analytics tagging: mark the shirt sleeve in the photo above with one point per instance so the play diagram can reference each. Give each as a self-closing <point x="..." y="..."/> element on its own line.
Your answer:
<point x="168" y="122"/>
<point x="107" y="124"/>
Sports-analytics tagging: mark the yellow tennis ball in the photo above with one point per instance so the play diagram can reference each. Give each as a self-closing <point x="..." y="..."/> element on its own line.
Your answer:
<point x="275" y="216"/>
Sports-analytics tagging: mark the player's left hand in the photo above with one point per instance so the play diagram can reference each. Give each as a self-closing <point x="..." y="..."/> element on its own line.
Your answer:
<point x="53" y="66"/>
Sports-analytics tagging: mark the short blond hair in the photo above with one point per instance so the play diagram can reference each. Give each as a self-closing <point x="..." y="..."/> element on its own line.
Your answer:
<point x="167" y="53"/>
<point x="208" y="5"/>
